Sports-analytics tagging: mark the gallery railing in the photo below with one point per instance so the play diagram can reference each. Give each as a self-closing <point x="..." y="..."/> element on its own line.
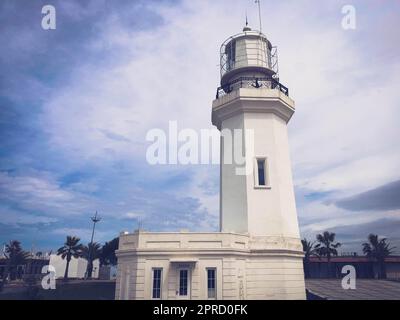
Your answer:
<point x="251" y="82"/>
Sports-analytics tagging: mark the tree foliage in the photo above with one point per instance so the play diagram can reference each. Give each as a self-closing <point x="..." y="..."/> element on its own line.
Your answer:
<point x="71" y="249"/>
<point x="108" y="256"/>
<point x="377" y="250"/>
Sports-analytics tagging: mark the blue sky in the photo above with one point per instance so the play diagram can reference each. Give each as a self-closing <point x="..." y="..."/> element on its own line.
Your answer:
<point x="76" y="103"/>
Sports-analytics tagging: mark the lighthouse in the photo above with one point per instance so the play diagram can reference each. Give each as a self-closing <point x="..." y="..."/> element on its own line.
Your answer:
<point x="257" y="253"/>
<point x="252" y="99"/>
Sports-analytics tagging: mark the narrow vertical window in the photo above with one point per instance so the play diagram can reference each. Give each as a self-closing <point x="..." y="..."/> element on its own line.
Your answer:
<point x="261" y="172"/>
<point x="183" y="282"/>
<point x="230" y="51"/>
<point x="157" y="277"/>
<point x="211" y="283"/>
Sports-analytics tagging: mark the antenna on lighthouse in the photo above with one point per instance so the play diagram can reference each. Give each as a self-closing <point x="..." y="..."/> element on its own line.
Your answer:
<point x="259" y="13"/>
<point x="246" y="27"/>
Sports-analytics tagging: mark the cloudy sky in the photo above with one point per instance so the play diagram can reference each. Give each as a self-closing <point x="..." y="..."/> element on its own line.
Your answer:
<point x="76" y="104"/>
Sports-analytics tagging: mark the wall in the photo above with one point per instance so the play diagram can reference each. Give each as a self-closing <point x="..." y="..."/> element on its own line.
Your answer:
<point x="233" y="199"/>
<point x="77" y="267"/>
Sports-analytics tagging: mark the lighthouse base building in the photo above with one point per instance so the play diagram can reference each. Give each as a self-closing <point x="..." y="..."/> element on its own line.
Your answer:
<point x="218" y="265"/>
<point x="258" y="253"/>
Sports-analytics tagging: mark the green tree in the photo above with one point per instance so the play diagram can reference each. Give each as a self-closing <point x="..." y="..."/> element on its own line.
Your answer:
<point x="71" y="249"/>
<point x="91" y="252"/>
<point x="309" y="250"/>
<point x="326" y="247"/>
<point x="15" y="256"/>
<point x="108" y="256"/>
<point x="377" y="250"/>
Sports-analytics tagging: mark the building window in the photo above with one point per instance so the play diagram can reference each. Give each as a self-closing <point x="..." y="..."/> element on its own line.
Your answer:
<point x="157" y="277"/>
<point x="183" y="282"/>
<point x="261" y="173"/>
<point x="230" y="51"/>
<point x="211" y="283"/>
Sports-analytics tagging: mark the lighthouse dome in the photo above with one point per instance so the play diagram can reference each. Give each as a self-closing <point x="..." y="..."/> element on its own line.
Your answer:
<point x="247" y="54"/>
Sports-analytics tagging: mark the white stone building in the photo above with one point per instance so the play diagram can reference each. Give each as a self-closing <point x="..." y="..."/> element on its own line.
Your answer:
<point x="257" y="254"/>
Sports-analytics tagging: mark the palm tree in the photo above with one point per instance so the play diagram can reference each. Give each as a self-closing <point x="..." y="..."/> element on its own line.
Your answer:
<point x="91" y="252"/>
<point x="15" y="256"/>
<point x="326" y="247"/>
<point x="377" y="250"/>
<point x="71" y="248"/>
<point x="309" y="250"/>
<point x="108" y="256"/>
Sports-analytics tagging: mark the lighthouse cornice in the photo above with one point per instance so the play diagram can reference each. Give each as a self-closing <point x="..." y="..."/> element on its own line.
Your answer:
<point x="252" y="100"/>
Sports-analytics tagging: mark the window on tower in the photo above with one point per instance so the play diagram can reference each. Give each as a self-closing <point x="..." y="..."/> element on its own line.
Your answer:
<point x="261" y="174"/>
<point x="230" y="52"/>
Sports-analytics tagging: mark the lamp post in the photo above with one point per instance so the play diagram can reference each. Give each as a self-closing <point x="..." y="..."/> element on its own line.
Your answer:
<point x="95" y="219"/>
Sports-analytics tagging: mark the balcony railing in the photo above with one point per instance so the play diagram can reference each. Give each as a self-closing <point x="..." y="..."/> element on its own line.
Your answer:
<point x="251" y="82"/>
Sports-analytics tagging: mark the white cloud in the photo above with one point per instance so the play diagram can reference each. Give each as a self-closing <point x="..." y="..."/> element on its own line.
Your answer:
<point x="348" y="143"/>
<point x="40" y="192"/>
<point x="133" y="215"/>
<point x="171" y="70"/>
<point x="203" y="186"/>
<point x="355" y="176"/>
<point x="83" y="234"/>
<point x="15" y="218"/>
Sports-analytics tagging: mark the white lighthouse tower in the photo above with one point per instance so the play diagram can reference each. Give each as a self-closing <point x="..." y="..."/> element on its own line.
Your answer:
<point x="251" y="99"/>
<point x="260" y="203"/>
<point x="257" y="254"/>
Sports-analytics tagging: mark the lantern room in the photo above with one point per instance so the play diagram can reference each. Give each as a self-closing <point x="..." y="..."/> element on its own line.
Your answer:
<point x="247" y="54"/>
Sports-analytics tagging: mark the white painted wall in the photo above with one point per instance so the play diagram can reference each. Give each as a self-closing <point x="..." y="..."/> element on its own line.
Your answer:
<point x="77" y="267"/>
<point x="233" y="197"/>
<point x="244" y="207"/>
<point x="271" y="211"/>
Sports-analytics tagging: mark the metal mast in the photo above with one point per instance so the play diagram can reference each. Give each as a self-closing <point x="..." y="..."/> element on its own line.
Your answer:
<point x="95" y="219"/>
<point x="259" y="13"/>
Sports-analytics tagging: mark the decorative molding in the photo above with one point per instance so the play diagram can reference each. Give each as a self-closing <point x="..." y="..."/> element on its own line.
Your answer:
<point x="252" y="101"/>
